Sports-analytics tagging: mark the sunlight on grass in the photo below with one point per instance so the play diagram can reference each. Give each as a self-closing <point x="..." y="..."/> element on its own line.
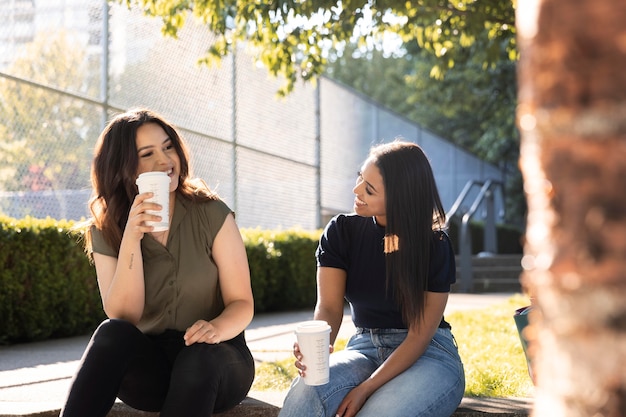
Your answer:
<point x="278" y="375"/>
<point x="489" y="345"/>
<point x="495" y="365"/>
<point x="274" y="375"/>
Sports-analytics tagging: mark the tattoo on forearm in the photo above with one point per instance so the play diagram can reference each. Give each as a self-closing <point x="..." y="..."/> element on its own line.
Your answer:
<point x="130" y="264"/>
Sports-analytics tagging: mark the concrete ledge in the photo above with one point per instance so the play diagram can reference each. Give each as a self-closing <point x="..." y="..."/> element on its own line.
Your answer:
<point x="470" y="407"/>
<point x="250" y="407"/>
<point x="494" y="407"/>
<point x="267" y="404"/>
<point x="257" y="407"/>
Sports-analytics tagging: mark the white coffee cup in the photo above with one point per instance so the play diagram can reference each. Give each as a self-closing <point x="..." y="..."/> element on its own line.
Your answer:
<point x="314" y="340"/>
<point x="158" y="183"/>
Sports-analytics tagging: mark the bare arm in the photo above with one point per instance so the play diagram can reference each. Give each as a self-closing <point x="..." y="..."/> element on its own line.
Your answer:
<point x="331" y="289"/>
<point x="234" y="279"/>
<point x="419" y="336"/>
<point x="121" y="280"/>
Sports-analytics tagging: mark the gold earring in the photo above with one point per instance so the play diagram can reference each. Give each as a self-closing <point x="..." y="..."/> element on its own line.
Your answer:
<point x="391" y="243"/>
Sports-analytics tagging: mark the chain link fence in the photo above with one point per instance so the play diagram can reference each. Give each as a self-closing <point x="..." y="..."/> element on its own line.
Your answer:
<point x="67" y="66"/>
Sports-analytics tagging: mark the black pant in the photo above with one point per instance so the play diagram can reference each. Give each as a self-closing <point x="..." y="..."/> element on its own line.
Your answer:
<point x="158" y="373"/>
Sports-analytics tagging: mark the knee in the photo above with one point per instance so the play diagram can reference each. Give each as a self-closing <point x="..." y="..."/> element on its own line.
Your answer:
<point x="299" y="392"/>
<point x="202" y="363"/>
<point x="302" y="397"/>
<point x="113" y="327"/>
<point x="114" y="332"/>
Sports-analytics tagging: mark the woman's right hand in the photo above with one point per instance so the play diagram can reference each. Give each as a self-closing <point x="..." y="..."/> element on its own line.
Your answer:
<point x="136" y="225"/>
<point x="121" y="279"/>
<point x="299" y="364"/>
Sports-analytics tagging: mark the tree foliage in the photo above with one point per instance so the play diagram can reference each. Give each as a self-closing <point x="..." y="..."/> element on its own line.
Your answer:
<point x="468" y="46"/>
<point x="472" y="107"/>
<point x="45" y="142"/>
<point x="294" y="38"/>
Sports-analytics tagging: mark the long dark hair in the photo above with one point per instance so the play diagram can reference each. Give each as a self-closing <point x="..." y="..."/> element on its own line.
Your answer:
<point x="114" y="171"/>
<point x="413" y="210"/>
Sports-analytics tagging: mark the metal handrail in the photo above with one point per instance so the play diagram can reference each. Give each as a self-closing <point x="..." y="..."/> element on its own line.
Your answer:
<point x="486" y="195"/>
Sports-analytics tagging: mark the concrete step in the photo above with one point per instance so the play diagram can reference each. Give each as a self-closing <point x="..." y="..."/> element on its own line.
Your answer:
<point x="504" y="259"/>
<point x="493" y="273"/>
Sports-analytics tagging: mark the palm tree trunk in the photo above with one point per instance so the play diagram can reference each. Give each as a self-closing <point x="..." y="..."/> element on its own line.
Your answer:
<point x="572" y="117"/>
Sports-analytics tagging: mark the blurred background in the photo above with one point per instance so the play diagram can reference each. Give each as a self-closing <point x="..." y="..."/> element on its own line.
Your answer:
<point x="68" y="66"/>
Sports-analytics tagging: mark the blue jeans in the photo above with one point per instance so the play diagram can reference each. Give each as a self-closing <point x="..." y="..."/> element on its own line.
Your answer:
<point x="432" y="386"/>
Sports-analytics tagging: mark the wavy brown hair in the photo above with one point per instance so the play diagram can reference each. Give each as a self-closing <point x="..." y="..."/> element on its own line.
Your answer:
<point x="413" y="210"/>
<point x="114" y="171"/>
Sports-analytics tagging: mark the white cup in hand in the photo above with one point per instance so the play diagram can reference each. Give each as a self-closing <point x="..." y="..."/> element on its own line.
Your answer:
<point x="314" y="342"/>
<point x="157" y="183"/>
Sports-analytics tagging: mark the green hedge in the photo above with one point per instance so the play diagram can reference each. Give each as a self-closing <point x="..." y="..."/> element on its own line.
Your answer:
<point x="282" y="268"/>
<point x="47" y="286"/>
<point x="49" y="289"/>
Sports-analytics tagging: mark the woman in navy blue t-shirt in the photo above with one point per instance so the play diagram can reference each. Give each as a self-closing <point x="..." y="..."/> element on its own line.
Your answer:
<point x="394" y="263"/>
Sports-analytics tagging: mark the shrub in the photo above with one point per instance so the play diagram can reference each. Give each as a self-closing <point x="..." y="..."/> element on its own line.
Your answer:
<point x="47" y="286"/>
<point x="282" y="268"/>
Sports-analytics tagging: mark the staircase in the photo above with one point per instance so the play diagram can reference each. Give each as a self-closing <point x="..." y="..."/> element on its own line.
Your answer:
<point x="492" y="273"/>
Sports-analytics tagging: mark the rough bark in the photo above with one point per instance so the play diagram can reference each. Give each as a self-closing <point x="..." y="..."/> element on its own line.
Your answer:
<point x="572" y="117"/>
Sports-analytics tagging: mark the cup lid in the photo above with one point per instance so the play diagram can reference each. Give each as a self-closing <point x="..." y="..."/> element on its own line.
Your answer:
<point x="312" y="326"/>
<point x="151" y="174"/>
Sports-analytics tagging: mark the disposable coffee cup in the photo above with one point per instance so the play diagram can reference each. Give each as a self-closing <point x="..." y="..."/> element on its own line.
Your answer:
<point x="158" y="183"/>
<point x="314" y="340"/>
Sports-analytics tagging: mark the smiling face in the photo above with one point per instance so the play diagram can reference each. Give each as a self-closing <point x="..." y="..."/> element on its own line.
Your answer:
<point x="369" y="193"/>
<point x="156" y="152"/>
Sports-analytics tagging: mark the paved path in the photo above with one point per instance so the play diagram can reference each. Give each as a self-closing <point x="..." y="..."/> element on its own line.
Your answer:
<point x="34" y="377"/>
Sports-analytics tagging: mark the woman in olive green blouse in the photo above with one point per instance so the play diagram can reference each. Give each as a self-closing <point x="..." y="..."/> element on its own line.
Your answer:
<point x="177" y="301"/>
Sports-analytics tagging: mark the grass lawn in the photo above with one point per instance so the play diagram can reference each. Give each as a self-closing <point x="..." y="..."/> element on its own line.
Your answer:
<point x="489" y="346"/>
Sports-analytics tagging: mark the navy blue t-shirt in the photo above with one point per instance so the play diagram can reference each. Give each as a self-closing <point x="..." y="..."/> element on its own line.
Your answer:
<point x="355" y="244"/>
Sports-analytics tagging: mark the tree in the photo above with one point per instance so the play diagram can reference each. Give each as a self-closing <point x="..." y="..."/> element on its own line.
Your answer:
<point x="378" y="76"/>
<point x="460" y="39"/>
<point x="47" y="139"/>
<point x="572" y="95"/>
<point x="571" y="115"/>
<point x="473" y="107"/>
<point x="294" y="39"/>
<point x="470" y="106"/>
<point x="47" y="134"/>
